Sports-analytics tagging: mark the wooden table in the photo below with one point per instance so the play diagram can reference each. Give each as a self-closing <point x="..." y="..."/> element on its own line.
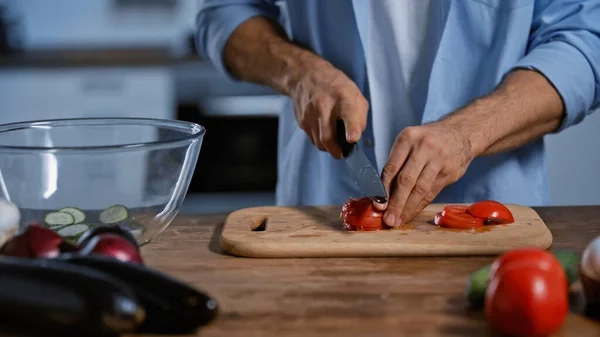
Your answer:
<point x="346" y="297"/>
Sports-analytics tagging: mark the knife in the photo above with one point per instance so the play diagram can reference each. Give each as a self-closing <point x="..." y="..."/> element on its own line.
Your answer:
<point x="362" y="171"/>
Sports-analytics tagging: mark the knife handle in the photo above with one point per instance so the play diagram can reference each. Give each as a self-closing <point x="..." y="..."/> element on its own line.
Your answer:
<point x="340" y="132"/>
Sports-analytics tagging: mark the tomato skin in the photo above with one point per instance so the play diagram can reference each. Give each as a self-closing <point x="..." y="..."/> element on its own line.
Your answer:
<point x="527" y="293"/>
<point x="362" y="207"/>
<point x="364" y="223"/>
<point x="529" y="256"/>
<point x="527" y="301"/>
<point x="457" y="220"/>
<point x="492" y="211"/>
<point x="455" y="209"/>
<point x="360" y="215"/>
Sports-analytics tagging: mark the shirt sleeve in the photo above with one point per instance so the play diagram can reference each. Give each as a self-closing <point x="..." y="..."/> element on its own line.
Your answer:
<point x="564" y="46"/>
<point x="217" y="19"/>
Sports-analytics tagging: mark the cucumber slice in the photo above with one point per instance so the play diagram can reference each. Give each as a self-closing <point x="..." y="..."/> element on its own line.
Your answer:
<point x="57" y="219"/>
<point x="73" y="231"/>
<point x="77" y="214"/>
<point x="114" y="214"/>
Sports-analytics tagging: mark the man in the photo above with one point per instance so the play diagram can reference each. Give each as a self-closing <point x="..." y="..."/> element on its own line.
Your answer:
<point x="451" y="98"/>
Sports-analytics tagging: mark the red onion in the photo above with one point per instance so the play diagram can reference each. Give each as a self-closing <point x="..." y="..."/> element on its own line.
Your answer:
<point x="35" y="241"/>
<point x="112" y="245"/>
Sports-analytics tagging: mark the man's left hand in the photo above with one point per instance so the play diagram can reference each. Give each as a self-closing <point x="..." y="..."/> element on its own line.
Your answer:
<point x="423" y="160"/>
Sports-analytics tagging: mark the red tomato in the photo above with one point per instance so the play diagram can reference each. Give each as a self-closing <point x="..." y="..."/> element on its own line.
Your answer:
<point x="362" y="207"/>
<point x="354" y="222"/>
<point x="492" y="211"/>
<point x="525" y="300"/>
<point x="530" y="256"/>
<point x="360" y="215"/>
<point x="457" y="220"/>
<point x="456" y="209"/>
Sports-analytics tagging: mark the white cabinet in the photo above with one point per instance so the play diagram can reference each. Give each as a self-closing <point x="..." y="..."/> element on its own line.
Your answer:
<point x="31" y="94"/>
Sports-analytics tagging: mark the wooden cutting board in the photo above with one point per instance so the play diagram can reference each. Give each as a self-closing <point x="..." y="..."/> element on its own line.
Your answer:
<point x="286" y="232"/>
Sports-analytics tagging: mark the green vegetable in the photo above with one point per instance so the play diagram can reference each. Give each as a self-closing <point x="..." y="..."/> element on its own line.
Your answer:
<point x="478" y="281"/>
<point x="73" y="231"/>
<point x="77" y="214"/>
<point x="59" y="219"/>
<point x="114" y="214"/>
<point x="477" y="285"/>
<point x="570" y="262"/>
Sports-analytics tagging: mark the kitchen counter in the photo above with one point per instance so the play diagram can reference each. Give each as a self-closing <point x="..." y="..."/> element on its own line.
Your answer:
<point x="347" y="297"/>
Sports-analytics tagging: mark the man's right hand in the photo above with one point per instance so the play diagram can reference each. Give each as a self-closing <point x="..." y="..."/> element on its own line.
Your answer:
<point x="259" y="51"/>
<point x="323" y="95"/>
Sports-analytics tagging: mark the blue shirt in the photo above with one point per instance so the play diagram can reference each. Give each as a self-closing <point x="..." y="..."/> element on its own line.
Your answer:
<point x="479" y="42"/>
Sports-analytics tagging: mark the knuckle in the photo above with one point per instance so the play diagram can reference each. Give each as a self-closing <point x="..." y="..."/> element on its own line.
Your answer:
<point x="428" y="199"/>
<point x="389" y="170"/>
<point x="429" y="142"/>
<point x="422" y="189"/>
<point x="406" y="179"/>
<point x="410" y="132"/>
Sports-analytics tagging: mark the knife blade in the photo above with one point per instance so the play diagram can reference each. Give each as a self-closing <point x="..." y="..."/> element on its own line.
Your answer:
<point x="360" y="168"/>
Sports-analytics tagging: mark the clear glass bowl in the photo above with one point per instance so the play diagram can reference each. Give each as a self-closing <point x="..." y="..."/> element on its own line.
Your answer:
<point x="145" y="165"/>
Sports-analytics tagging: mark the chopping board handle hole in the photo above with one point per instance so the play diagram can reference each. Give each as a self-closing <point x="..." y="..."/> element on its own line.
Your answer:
<point x="259" y="224"/>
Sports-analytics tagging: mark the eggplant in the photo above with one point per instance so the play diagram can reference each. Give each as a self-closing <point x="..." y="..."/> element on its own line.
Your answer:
<point x="172" y="307"/>
<point x="58" y="297"/>
<point x="119" y="230"/>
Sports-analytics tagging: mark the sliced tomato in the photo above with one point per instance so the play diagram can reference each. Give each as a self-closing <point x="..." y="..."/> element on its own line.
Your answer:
<point x="456" y="209"/>
<point x="362" y="207"/>
<point x="364" y="223"/>
<point x="492" y="211"/>
<point x="457" y="220"/>
<point x="361" y="228"/>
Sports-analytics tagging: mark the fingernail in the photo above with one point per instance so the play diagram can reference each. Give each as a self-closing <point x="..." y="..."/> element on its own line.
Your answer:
<point x="352" y="136"/>
<point x="399" y="222"/>
<point x="390" y="219"/>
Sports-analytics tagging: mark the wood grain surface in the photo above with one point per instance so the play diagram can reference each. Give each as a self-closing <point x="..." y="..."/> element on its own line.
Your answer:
<point x="416" y="296"/>
<point x="278" y="232"/>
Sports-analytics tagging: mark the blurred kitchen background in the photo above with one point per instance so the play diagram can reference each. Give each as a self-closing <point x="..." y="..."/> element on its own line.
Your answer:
<point x="136" y="58"/>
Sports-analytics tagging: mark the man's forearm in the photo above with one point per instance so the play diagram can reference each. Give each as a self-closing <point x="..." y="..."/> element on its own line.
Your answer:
<point x="259" y="51"/>
<point x="524" y="108"/>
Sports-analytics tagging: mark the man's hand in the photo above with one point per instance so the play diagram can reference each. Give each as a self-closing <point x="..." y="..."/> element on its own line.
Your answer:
<point x="259" y="51"/>
<point x="322" y="96"/>
<point x="424" y="159"/>
<point x="427" y="158"/>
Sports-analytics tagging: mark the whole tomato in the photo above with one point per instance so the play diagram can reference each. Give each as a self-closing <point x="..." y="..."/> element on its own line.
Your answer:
<point x="529" y="256"/>
<point x="527" y="294"/>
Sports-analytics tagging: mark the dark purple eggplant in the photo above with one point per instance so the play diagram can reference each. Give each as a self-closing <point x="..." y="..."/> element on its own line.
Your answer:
<point x="58" y="297"/>
<point x="172" y="307"/>
<point x="116" y="229"/>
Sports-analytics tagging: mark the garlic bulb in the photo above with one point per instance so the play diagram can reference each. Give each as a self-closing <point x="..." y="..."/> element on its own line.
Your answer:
<point x="9" y="218"/>
<point x="590" y="260"/>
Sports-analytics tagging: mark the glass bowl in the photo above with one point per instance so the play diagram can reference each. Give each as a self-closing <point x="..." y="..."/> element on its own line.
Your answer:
<point x="75" y="174"/>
